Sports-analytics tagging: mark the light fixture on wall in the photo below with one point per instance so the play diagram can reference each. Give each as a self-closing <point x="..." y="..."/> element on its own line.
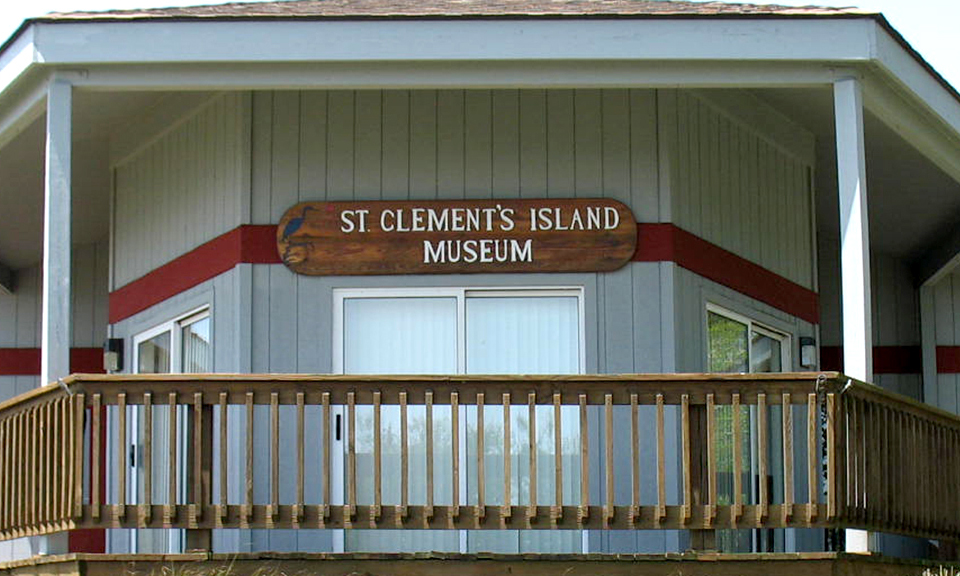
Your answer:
<point x="113" y="354"/>
<point x="808" y="352"/>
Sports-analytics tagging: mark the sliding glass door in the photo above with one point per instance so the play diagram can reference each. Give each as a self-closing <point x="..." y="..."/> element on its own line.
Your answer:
<point x="458" y="331"/>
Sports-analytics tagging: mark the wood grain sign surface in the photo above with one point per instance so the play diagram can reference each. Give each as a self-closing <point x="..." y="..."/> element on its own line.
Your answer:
<point x="457" y="236"/>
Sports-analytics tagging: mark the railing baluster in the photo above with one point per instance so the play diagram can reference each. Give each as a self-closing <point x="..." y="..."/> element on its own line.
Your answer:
<point x="327" y="470"/>
<point x="119" y="512"/>
<point x="608" y="511"/>
<point x="737" y="448"/>
<point x="887" y="475"/>
<point x="301" y="457"/>
<point x="556" y="514"/>
<point x="635" y="458"/>
<point x="428" y="509"/>
<point x="274" y="507"/>
<point x="404" y="458"/>
<point x="224" y="451"/>
<point x="351" y="457"/>
<point x="786" y="420"/>
<point x="170" y="510"/>
<point x="584" y="510"/>
<point x="762" y="456"/>
<point x="831" y="457"/>
<point x="79" y="410"/>
<point x="661" y="464"/>
<point x="144" y="513"/>
<point x="4" y="477"/>
<point x="863" y="468"/>
<point x="196" y="510"/>
<point x="711" y="459"/>
<point x="247" y="514"/>
<point x="812" y="458"/>
<point x="377" y="468"/>
<point x="898" y="469"/>
<point x="507" y="460"/>
<point x="15" y="478"/>
<point x="852" y="503"/>
<point x="64" y="488"/>
<point x="455" y="455"/>
<point x="481" y="475"/>
<point x="56" y="411"/>
<point x="45" y="464"/>
<point x="95" y="471"/>
<point x="532" y="441"/>
<point x="26" y="472"/>
<point x="686" y="458"/>
<point x="872" y="460"/>
<point x="21" y="479"/>
<point x="33" y="468"/>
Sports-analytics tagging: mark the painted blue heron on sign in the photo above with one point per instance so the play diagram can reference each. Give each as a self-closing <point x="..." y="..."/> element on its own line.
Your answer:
<point x="295" y="223"/>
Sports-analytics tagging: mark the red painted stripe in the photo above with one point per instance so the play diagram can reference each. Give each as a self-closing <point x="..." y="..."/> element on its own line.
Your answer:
<point x="886" y="359"/>
<point x="26" y="361"/>
<point x="253" y="244"/>
<point x="666" y="242"/>
<point x="256" y="244"/>
<point x="948" y="359"/>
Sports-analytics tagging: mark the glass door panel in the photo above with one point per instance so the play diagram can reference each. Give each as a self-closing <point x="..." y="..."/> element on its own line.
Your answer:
<point x="537" y="334"/>
<point x="401" y="336"/>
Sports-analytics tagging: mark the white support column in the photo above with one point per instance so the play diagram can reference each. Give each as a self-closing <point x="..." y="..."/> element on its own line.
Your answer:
<point x="55" y="321"/>
<point x="854" y="248"/>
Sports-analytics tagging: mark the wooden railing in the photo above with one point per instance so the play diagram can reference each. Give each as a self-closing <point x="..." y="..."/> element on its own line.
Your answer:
<point x="791" y="450"/>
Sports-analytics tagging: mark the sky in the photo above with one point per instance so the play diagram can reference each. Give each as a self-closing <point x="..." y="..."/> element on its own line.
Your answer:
<point x="930" y="26"/>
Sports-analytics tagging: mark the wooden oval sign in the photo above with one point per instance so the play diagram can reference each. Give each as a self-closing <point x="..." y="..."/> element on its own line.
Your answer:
<point x="456" y="236"/>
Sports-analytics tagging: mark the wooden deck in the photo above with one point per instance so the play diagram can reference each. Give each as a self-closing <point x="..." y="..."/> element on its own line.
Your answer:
<point x="433" y="564"/>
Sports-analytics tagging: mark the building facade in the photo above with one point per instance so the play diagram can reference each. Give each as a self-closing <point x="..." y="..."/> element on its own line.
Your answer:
<point x="147" y="159"/>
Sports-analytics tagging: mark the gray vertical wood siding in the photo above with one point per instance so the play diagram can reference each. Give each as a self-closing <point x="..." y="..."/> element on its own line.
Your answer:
<point x="741" y="189"/>
<point x="20" y="311"/>
<point x="181" y="189"/>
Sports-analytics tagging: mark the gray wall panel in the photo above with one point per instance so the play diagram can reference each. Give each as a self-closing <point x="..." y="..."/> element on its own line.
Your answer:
<point x="754" y="202"/>
<point x="181" y="189"/>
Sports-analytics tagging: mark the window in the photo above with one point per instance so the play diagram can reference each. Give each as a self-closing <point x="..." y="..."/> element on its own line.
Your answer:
<point x="182" y="345"/>
<point x="460" y="331"/>
<point x="736" y="343"/>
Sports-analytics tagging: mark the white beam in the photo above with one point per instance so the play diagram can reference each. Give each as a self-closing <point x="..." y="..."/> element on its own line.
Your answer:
<point x="55" y="320"/>
<point x="786" y="39"/>
<point x="447" y="74"/>
<point x="854" y="247"/>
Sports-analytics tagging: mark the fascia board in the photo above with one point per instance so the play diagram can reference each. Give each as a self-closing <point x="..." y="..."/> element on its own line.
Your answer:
<point x="903" y="70"/>
<point x="17" y="59"/>
<point x="76" y="43"/>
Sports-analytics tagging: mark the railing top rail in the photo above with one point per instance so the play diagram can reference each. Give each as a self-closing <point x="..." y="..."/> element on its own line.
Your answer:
<point x="899" y="402"/>
<point x="464" y="378"/>
<point x="34" y="396"/>
<point x="595" y="386"/>
<point x="594" y="389"/>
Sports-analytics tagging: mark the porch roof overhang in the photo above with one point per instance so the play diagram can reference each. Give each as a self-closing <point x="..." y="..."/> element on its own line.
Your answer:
<point x="111" y="54"/>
